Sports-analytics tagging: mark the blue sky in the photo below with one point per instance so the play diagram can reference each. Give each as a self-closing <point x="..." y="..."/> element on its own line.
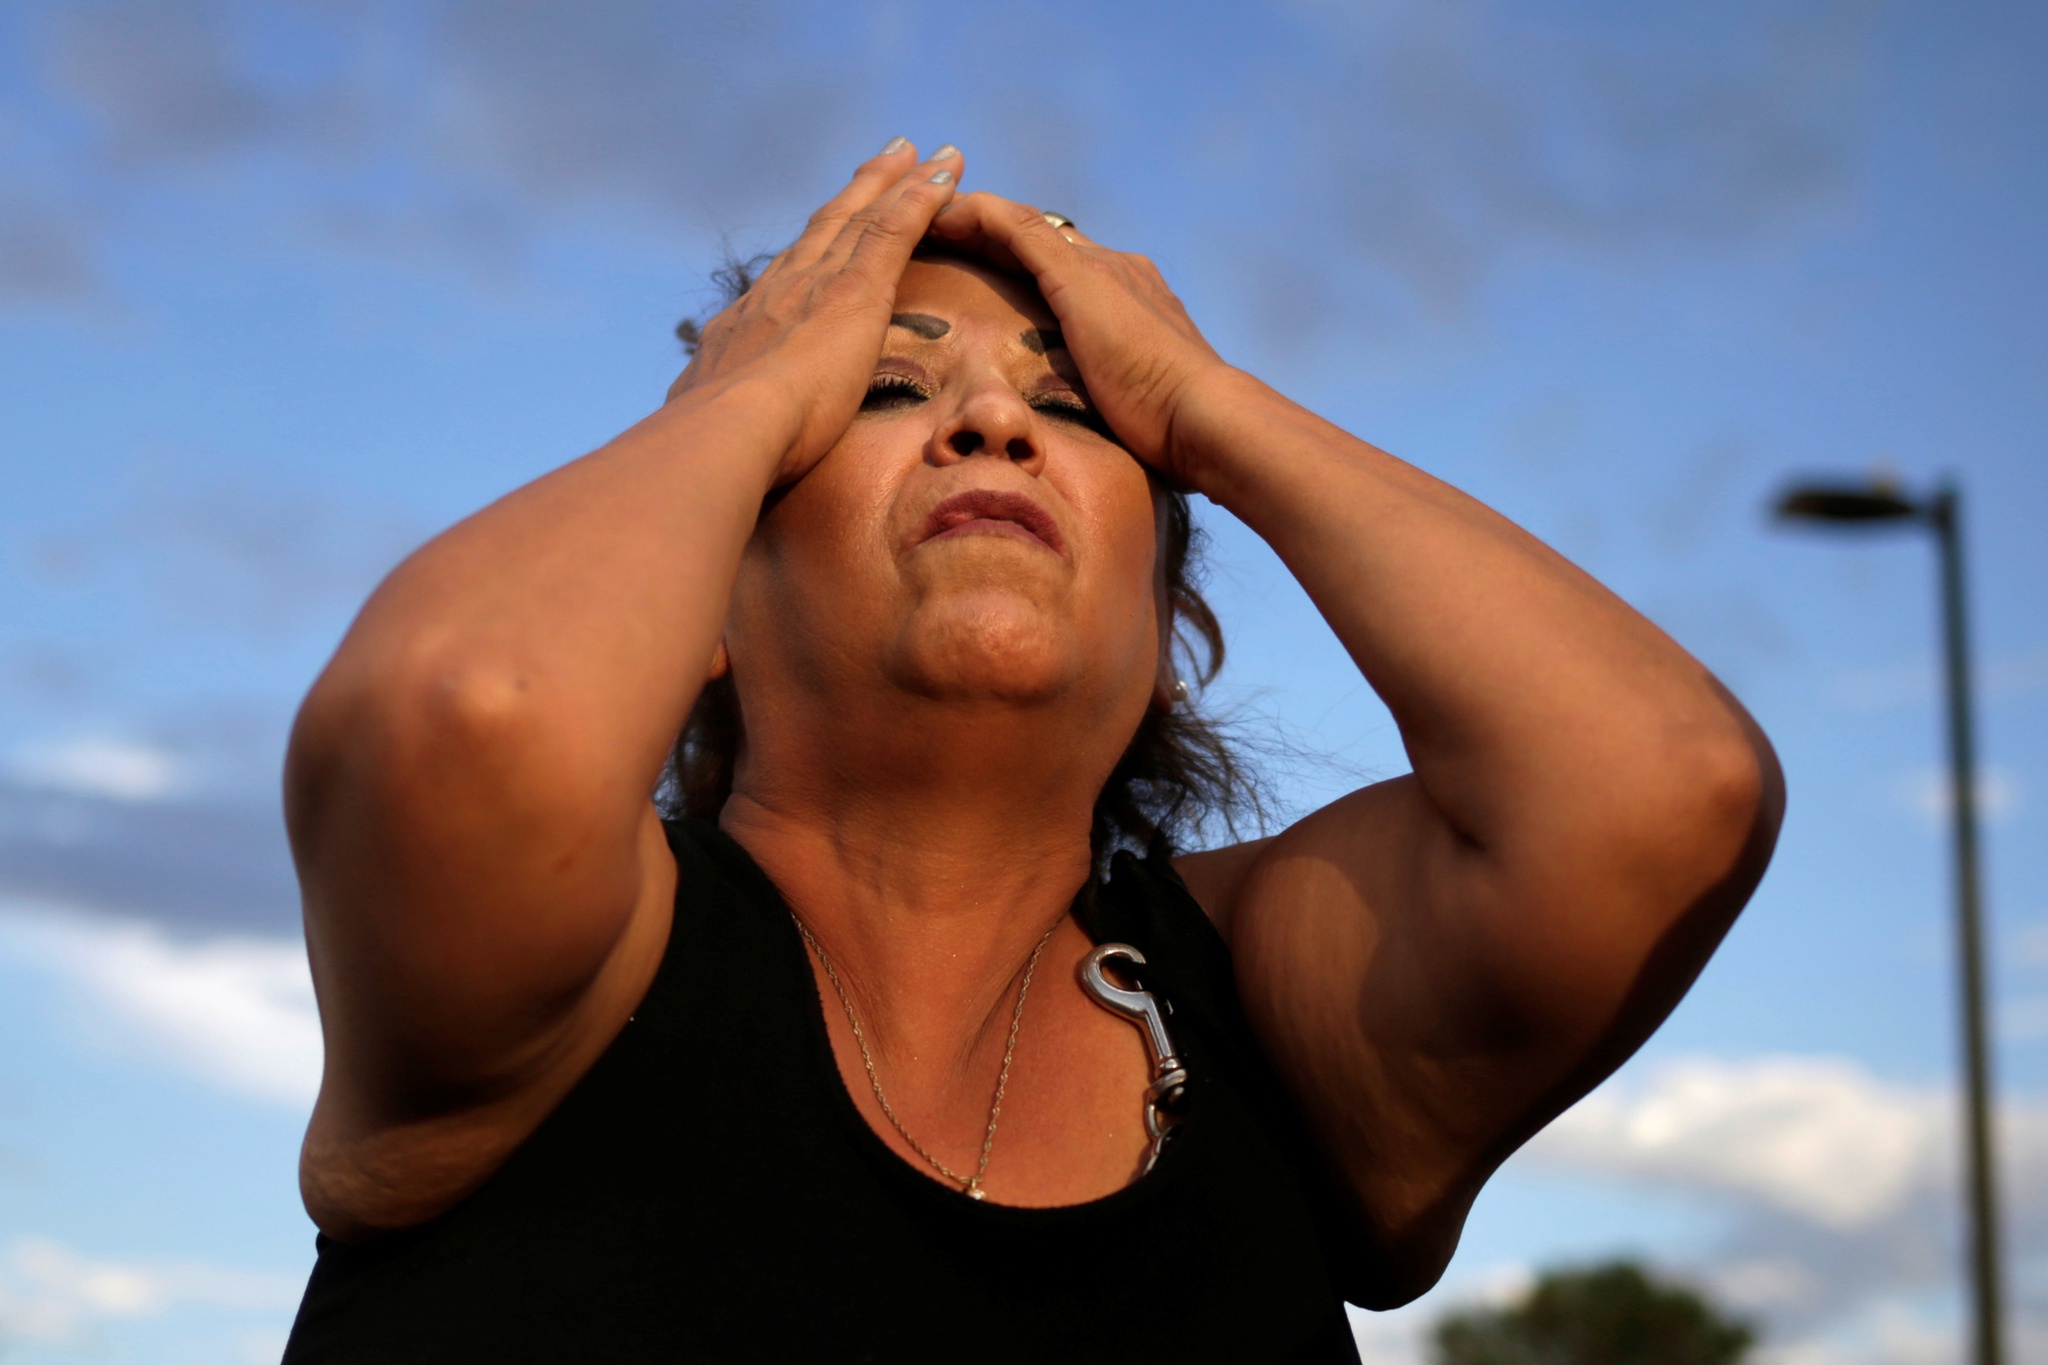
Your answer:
<point x="286" y="287"/>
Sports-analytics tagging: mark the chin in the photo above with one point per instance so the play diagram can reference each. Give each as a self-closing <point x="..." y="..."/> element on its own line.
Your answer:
<point x="997" y="648"/>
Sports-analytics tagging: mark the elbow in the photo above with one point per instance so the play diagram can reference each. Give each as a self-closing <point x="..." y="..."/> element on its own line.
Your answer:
<point x="1742" y="799"/>
<point x="1684" y="809"/>
<point x="1709" y="829"/>
<point x="414" y="736"/>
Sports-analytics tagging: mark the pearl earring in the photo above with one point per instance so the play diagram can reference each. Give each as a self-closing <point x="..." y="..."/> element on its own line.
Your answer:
<point x="1180" y="689"/>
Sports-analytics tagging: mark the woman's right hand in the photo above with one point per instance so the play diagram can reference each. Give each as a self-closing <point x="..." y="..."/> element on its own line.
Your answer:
<point x="808" y="332"/>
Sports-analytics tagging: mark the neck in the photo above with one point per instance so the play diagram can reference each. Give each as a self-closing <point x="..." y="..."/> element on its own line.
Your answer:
<point x="927" y="870"/>
<point x="913" y="872"/>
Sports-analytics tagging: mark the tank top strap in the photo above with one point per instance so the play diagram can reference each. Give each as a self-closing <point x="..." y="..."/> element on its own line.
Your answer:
<point x="1145" y="903"/>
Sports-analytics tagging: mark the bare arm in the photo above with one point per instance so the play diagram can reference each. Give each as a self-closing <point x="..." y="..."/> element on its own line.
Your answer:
<point x="487" y="886"/>
<point x="1443" y="962"/>
<point x="1438" y="964"/>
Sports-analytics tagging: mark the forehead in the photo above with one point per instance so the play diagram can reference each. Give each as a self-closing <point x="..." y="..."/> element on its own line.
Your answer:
<point x="965" y="293"/>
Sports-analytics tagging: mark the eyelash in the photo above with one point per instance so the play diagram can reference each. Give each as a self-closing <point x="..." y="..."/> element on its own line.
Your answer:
<point x="889" y="391"/>
<point x="892" y="391"/>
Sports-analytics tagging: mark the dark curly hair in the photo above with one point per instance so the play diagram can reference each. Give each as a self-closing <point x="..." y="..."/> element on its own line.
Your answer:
<point x="1179" y="775"/>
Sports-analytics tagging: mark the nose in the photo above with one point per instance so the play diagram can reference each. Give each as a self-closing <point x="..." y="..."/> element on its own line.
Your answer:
<point x="990" y="418"/>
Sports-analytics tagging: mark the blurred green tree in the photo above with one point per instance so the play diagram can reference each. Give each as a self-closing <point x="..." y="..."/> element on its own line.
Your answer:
<point x="1612" y="1314"/>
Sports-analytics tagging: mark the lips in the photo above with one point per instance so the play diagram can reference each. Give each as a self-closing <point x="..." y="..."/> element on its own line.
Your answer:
<point x="989" y="510"/>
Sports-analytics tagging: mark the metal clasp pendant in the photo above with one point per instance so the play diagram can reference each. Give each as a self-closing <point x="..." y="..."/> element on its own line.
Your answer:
<point x="1166" y="1096"/>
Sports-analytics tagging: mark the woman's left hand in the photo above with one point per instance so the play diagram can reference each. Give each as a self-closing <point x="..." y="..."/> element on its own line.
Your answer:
<point x="1139" y="353"/>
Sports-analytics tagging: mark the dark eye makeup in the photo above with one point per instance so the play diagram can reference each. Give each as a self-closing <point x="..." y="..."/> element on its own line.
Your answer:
<point x="1066" y="407"/>
<point x="890" y="391"/>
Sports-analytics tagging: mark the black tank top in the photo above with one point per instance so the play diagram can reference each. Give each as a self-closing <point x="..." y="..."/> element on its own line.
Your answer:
<point x="709" y="1192"/>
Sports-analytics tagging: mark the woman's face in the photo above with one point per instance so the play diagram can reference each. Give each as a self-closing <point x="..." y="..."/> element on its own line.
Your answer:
<point x="976" y="537"/>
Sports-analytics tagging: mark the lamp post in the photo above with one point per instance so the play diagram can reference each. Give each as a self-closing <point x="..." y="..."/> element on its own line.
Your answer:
<point x="1875" y="504"/>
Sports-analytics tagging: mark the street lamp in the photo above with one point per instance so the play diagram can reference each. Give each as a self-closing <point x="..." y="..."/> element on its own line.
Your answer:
<point x="1875" y="504"/>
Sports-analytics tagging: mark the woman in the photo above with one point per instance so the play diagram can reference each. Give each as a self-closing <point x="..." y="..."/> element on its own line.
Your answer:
<point x="833" y="1076"/>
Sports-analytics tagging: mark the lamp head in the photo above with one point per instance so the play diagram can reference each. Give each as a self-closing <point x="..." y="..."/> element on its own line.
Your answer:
<point x="1847" y="504"/>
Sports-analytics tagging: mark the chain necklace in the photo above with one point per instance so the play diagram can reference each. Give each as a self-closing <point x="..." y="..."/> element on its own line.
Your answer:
<point x="970" y="1185"/>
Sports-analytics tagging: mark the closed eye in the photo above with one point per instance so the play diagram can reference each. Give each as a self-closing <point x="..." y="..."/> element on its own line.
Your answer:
<point x="1067" y="408"/>
<point x="890" y="391"/>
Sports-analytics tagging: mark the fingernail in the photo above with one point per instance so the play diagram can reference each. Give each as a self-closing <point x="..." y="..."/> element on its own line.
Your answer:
<point x="945" y="153"/>
<point x="894" y="144"/>
<point x="942" y="178"/>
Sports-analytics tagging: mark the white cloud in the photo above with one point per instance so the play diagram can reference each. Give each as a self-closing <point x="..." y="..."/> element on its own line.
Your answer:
<point x="1840" y="1194"/>
<point x="1389" y="1338"/>
<point x="1760" y="1283"/>
<point x="102" y="765"/>
<point x="50" y="1294"/>
<point x="1928" y="793"/>
<point x="1401" y="1336"/>
<point x="260" y="1348"/>
<point x="1884" y="1333"/>
<point x="236" y="1011"/>
<point x="1816" y="1137"/>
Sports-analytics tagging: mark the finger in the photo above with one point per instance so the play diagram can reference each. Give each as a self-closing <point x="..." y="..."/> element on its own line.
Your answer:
<point x="1065" y="226"/>
<point x="880" y="239"/>
<point x="942" y="168"/>
<point x="990" y="223"/>
<point x="874" y="178"/>
<point x="1012" y="236"/>
<point x="1072" y="232"/>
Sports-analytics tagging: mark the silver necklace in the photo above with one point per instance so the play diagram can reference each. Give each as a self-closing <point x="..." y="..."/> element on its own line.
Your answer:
<point x="970" y="1185"/>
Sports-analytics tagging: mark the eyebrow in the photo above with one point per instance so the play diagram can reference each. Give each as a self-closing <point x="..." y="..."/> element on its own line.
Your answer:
<point x="923" y="324"/>
<point x="1043" y="339"/>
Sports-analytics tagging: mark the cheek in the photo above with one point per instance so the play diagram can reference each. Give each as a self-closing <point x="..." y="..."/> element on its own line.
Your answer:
<point x="1124" y="530"/>
<point x="817" y="562"/>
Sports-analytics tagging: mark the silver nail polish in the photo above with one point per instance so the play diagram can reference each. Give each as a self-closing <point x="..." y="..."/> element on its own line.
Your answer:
<point x="894" y="144"/>
<point x="945" y="152"/>
<point x="941" y="178"/>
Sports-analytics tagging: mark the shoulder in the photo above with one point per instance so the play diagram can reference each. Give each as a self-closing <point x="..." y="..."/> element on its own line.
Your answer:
<point x="1214" y="876"/>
